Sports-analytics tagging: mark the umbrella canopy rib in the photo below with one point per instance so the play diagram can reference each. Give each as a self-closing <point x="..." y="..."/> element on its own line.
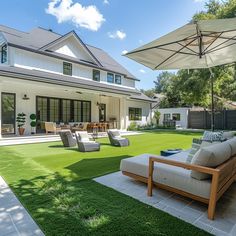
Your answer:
<point x="179" y="51"/>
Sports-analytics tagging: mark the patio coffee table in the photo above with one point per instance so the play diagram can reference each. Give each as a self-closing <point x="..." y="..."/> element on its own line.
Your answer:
<point x="170" y="152"/>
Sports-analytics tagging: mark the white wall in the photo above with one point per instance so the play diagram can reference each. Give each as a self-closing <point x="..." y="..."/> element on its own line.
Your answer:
<point x="33" y="89"/>
<point x="146" y="111"/>
<point x="183" y="115"/>
<point x="30" y="60"/>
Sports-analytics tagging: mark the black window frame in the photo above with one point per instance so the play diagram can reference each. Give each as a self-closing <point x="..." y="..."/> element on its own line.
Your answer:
<point x="14" y="95"/>
<point x="135" y="113"/>
<point x="112" y="82"/>
<point x="176" y="116"/>
<point x="67" y="68"/>
<point x="61" y="109"/>
<point x="4" y="53"/>
<point x="96" y="72"/>
<point x="119" y="80"/>
<point x="166" y="116"/>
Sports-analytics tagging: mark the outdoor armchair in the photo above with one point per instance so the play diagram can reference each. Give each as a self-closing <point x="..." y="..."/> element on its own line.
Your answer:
<point x="84" y="142"/>
<point x="116" y="139"/>
<point x="67" y="138"/>
<point x="51" y="127"/>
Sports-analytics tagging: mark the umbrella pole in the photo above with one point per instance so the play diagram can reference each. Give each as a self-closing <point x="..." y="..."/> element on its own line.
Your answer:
<point x="212" y="102"/>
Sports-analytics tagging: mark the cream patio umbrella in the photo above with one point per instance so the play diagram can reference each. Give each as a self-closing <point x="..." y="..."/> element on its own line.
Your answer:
<point x="197" y="45"/>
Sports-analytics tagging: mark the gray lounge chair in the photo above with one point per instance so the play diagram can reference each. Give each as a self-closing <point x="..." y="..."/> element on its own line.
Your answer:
<point x="67" y="138"/>
<point x="116" y="139"/>
<point x="84" y="142"/>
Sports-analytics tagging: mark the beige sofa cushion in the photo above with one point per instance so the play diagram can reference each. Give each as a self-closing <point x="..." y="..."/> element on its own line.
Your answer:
<point x="171" y="176"/>
<point x="211" y="156"/>
<point x="232" y="143"/>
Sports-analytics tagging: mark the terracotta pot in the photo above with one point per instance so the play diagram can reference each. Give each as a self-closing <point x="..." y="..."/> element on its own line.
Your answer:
<point x="21" y="131"/>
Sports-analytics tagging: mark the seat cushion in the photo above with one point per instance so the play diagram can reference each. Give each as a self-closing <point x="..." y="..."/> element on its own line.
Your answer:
<point x="171" y="176"/>
<point x="211" y="156"/>
<point x="228" y="135"/>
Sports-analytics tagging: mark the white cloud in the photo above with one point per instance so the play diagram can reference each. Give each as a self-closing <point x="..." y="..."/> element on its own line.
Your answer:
<point x="142" y="71"/>
<point x="106" y="2"/>
<point x="117" y="35"/>
<point x="87" y="17"/>
<point x="124" y="52"/>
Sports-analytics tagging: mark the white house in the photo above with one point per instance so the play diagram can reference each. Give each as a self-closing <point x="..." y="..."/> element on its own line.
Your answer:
<point x="180" y="115"/>
<point x="61" y="79"/>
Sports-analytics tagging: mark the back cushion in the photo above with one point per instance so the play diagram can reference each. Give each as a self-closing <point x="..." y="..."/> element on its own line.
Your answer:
<point x="83" y="136"/>
<point x="115" y="133"/>
<point x="232" y="143"/>
<point x="211" y="156"/>
<point x="228" y="135"/>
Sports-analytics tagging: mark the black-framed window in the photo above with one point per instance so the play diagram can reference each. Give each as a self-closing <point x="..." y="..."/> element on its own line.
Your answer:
<point x="118" y="79"/>
<point x="67" y="68"/>
<point x="8" y="113"/>
<point x="110" y="78"/>
<point x="166" y="116"/>
<point x="62" y="110"/>
<point x="176" y="116"/>
<point x="4" y="54"/>
<point x="96" y="75"/>
<point x="135" y="113"/>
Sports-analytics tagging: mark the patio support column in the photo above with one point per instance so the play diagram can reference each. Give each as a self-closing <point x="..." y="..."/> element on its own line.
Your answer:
<point x="122" y="113"/>
<point x="0" y="109"/>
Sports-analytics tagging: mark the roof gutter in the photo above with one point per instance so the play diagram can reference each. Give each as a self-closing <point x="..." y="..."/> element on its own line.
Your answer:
<point x="47" y="80"/>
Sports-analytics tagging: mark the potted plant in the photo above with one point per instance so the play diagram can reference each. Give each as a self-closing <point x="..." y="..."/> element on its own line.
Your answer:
<point x="20" y="120"/>
<point x="33" y="123"/>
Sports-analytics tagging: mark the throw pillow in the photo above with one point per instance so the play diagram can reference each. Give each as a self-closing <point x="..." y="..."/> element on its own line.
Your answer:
<point x="213" y="136"/>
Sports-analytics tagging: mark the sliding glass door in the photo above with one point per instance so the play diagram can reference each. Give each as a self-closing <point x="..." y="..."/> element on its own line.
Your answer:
<point x="8" y="113"/>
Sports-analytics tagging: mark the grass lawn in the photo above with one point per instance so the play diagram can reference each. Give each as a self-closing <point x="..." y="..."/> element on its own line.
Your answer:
<point x="55" y="185"/>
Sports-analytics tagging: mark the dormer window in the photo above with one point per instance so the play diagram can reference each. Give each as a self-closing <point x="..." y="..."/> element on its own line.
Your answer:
<point x="117" y="79"/>
<point x="96" y="75"/>
<point x="110" y="78"/>
<point x="4" y="54"/>
<point x="67" y="68"/>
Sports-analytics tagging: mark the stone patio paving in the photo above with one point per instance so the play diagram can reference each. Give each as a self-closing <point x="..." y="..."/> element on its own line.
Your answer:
<point x="14" y="219"/>
<point x="178" y="206"/>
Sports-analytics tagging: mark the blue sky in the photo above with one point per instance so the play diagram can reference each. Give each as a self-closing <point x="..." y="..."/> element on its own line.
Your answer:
<point x="113" y="25"/>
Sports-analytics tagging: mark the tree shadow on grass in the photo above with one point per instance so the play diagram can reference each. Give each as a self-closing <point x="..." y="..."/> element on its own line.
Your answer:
<point x="71" y="207"/>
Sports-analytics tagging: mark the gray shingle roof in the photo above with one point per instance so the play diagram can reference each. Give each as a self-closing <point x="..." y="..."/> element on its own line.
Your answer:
<point x="51" y="78"/>
<point x="141" y="97"/>
<point x="39" y="37"/>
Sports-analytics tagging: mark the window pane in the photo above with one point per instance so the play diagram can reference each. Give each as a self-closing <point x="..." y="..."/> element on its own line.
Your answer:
<point x="41" y="109"/>
<point x="166" y="116"/>
<point x="176" y="116"/>
<point x="54" y="109"/>
<point x="96" y="75"/>
<point x="86" y="111"/>
<point x="66" y="111"/>
<point x="110" y="78"/>
<point x="117" y="79"/>
<point x="135" y="113"/>
<point x="77" y="111"/>
<point x="8" y="113"/>
<point x="4" y="54"/>
<point x="67" y="68"/>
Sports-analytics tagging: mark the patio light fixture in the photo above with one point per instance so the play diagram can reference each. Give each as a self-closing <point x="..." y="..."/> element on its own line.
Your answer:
<point x="25" y="97"/>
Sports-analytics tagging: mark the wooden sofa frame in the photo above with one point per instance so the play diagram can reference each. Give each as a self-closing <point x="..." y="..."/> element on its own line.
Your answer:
<point x="222" y="177"/>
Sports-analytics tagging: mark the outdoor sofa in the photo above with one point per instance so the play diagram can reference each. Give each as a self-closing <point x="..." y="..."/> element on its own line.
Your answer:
<point x="116" y="139"/>
<point x="84" y="142"/>
<point x="67" y="138"/>
<point x="209" y="174"/>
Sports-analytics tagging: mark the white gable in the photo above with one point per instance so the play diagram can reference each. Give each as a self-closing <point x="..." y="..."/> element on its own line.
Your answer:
<point x="73" y="48"/>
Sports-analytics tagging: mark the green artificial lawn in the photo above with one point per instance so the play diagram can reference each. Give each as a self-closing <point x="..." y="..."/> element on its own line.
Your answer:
<point x="55" y="185"/>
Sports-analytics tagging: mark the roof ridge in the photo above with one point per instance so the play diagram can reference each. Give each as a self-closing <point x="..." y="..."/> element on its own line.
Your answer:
<point x="48" y="30"/>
